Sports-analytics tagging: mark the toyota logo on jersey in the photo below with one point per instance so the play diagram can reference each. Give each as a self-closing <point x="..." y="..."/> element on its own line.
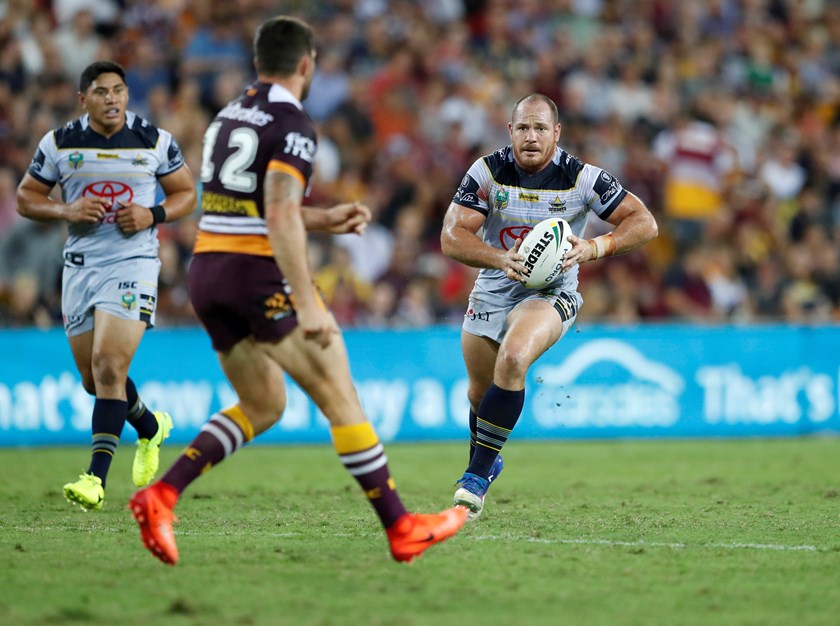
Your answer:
<point x="509" y="235"/>
<point x="113" y="191"/>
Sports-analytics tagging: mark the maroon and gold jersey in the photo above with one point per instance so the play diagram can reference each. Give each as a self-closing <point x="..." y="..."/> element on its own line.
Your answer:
<point x="264" y="129"/>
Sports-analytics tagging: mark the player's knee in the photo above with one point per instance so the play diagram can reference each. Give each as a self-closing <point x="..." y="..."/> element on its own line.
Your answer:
<point x="108" y="370"/>
<point x="512" y="364"/>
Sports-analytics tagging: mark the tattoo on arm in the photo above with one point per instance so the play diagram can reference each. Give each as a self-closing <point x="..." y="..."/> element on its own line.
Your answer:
<point x="281" y="187"/>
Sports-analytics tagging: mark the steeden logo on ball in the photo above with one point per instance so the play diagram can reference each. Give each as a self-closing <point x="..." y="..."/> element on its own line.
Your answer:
<point x="544" y="248"/>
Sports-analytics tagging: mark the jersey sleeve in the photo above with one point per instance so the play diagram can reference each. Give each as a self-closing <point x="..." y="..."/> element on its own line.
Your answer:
<point x="171" y="157"/>
<point x="473" y="192"/>
<point x="293" y="149"/>
<point x="44" y="165"/>
<point x="602" y="192"/>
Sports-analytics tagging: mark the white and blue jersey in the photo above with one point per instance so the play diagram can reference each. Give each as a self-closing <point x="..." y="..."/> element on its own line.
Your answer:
<point x="513" y="201"/>
<point x="123" y="168"/>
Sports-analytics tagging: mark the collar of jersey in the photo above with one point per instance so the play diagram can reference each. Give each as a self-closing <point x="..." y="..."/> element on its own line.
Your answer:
<point x="278" y="93"/>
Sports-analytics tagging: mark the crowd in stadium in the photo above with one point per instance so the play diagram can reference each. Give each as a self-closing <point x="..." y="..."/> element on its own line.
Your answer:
<point x="723" y="116"/>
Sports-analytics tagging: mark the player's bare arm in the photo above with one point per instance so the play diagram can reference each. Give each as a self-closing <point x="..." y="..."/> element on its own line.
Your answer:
<point x="179" y="188"/>
<point x="459" y="241"/>
<point x="349" y="217"/>
<point x="287" y="234"/>
<point x="634" y="226"/>
<point x="34" y="202"/>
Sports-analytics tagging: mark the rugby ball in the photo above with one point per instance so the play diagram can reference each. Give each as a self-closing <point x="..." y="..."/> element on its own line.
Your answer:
<point x="544" y="248"/>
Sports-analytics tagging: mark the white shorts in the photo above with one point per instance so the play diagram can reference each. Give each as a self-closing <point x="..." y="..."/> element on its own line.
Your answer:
<point x="126" y="289"/>
<point x="491" y="321"/>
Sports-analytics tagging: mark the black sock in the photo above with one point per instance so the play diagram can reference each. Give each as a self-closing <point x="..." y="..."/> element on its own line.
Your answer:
<point x="140" y="417"/>
<point x="497" y="415"/>
<point x="107" y="424"/>
<point x="472" y="433"/>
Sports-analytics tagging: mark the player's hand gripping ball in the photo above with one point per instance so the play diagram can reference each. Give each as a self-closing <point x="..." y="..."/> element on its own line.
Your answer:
<point x="543" y="249"/>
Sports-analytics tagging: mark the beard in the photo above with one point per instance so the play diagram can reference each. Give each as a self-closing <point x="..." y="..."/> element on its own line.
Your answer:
<point x="530" y="159"/>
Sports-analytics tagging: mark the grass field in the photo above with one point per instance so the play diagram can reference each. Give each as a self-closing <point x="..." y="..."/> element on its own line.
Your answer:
<point x="593" y="533"/>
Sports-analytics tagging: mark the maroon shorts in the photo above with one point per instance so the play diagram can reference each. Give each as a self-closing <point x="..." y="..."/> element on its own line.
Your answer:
<point x="240" y="295"/>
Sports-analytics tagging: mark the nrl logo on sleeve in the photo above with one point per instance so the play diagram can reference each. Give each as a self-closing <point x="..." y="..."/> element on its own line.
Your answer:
<point x="502" y="197"/>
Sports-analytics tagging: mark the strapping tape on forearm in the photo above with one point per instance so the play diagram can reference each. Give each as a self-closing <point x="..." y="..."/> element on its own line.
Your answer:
<point x="603" y="245"/>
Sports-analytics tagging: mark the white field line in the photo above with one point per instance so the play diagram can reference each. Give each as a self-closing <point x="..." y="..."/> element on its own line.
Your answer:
<point x="641" y="543"/>
<point x="655" y="544"/>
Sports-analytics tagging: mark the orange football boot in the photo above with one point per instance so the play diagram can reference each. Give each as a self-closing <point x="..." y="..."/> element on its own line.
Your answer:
<point x="413" y="533"/>
<point x="152" y="508"/>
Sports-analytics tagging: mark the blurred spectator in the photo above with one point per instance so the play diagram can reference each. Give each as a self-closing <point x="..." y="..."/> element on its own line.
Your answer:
<point x="351" y="126"/>
<point x="30" y="272"/>
<point x="154" y="21"/>
<point x="344" y="291"/>
<point x="101" y="11"/>
<point x="393" y="93"/>
<point x="766" y="291"/>
<point x="36" y="39"/>
<point x="727" y="289"/>
<point x="687" y="294"/>
<point x="780" y="171"/>
<point x="145" y="72"/>
<point x="588" y="88"/>
<point x="631" y="99"/>
<point x="380" y="309"/>
<point x="8" y="201"/>
<point x="330" y="86"/>
<point x="697" y="162"/>
<point x="79" y="35"/>
<point x="802" y="299"/>
<point x="416" y="306"/>
<point x="216" y="45"/>
<point x="369" y="253"/>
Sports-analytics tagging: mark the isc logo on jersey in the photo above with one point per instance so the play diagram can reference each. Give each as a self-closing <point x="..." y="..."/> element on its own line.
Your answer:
<point x="544" y="248"/>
